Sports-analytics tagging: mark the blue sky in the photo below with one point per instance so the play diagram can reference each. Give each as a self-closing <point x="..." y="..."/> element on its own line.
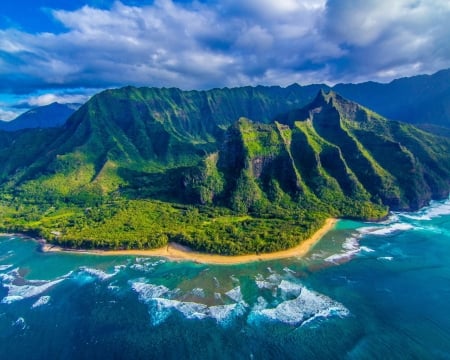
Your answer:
<point x="67" y="50"/>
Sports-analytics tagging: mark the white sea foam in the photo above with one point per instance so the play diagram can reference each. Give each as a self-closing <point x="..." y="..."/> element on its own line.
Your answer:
<point x="20" y="323"/>
<point x="199" y="292"/>
<point x="113" y="288"/>
<point x="260" y="304"/>
<point x="222" y="314"/>
<point x="317" y="255"/>
<point x="352" y="247"/>
<point x="190" y="310"/>
<point x="142" y="264"/>
<point x="338" y="310"/>
<point x="392" y="218"/>
<point x="387" y="258"/>
<point x="234" y="279"/>
<point x="274" y="278"/>
<point x="262" y="283"/>
<point x="140" y="260"/>
<point x="5" y="267"/>
<point x="147" y="292"/>
<point x="17" y="293"/>
<point x="161" y="304"/>
<point x="288" y="271"/>
<point x="307" y="306"/>
<point x="289" y="289"/>
<point x="382" y="231"/>
<point x="100" y="274"/>
<point x="12" y="298"/>
<point x="43" y="300"/>
<point x="235" y="294"/>
<point x="7" y="278"/>
<point x="141" y="267"/>
<point x="436" y="209"/>
<point x="351" y="244"/>
<point x="367" y="249"/>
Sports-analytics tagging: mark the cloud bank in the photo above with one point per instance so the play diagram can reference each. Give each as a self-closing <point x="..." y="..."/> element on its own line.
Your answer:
<point x="205" y="44"/>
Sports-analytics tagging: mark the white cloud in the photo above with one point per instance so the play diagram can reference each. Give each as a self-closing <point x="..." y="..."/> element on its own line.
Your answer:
<point x="45" y="99"/>
<point x="388" y="39"/>
<point x="8" y="115"/>
<point x="230" y="43"/>
<point x="169" y="44"/>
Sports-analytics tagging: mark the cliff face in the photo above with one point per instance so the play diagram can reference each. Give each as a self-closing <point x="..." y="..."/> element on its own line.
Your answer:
<point x="336" y="152"/>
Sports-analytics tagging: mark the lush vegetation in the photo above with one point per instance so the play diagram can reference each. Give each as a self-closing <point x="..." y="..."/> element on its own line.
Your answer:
<point x="138" y="168"/>
<point x="139" y="224"/>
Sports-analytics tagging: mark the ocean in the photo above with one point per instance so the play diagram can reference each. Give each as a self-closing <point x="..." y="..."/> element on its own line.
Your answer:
<point x="365" y="291"/>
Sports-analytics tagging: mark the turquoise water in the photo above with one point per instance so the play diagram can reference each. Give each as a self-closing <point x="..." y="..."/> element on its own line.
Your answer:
<point x="366" y="291"/>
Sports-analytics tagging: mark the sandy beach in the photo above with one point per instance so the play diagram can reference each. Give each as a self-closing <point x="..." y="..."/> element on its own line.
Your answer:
<point x="178" y="252"/>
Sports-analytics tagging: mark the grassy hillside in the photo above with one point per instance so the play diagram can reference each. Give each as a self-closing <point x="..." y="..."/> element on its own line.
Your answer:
<point x="137" y="168"/>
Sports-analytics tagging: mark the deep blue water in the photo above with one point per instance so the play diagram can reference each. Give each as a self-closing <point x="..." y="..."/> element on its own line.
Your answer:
<point x="366" y="291"/>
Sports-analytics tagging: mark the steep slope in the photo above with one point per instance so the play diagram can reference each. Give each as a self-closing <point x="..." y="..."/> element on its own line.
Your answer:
<point x="397" y="164"/>
<point x="124" y="134"/>
<point x="48" y="116"/>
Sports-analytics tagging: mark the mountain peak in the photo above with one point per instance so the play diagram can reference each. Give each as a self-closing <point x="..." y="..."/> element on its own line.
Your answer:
<point x="47" y="116"/>
<point x="346" y="109"/>
<point x="329" y="97"/>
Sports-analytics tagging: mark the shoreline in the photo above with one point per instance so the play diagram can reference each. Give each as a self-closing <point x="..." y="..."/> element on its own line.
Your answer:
<point x="177" y="252"/>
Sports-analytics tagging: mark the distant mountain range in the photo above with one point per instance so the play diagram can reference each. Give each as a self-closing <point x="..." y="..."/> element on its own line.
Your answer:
<point x="229" y="170"/>
<point x="419" y="100"/>
<point x="52" y="115"/>
<point x="422" y="100"/>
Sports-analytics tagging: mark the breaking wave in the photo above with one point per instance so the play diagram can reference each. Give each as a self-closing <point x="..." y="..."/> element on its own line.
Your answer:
<point x="295" y="305"/>
<point x="306" y="307"/>
<point x="162" y="303"/>
<point x="100" y="274"/>
<point x="397" y="222"/>
<point x="21" y="292"/>
<point x="43" y="300"/>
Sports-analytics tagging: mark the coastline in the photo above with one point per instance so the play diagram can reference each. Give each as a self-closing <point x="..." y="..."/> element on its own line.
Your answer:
<point x="179" y="252"/>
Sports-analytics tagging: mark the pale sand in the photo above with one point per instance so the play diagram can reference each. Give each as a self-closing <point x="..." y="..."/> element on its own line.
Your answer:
<point x="178" y="252"/>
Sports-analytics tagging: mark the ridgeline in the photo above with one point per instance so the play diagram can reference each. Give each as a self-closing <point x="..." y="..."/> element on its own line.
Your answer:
<point x="137" y="168"/>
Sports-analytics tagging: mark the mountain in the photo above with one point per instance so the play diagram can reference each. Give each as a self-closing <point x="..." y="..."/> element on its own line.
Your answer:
<point x="151" y="128"/>
<point x="422" y="99"/>
<point x="332" y="151"/>
<point x="52" y="115"/>
<point x="137" y="168"/>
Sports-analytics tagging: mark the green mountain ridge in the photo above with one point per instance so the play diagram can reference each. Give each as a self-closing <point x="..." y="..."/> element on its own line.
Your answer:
<point x="421" y="100"/>
<point x="136" y="168"/>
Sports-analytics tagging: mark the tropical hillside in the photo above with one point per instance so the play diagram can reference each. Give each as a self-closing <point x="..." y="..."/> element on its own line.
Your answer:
<point x="228" y="171"/>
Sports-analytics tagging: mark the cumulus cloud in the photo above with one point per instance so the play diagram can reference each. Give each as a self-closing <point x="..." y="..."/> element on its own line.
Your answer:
<point x="229" y="43"/>
<point x="387" y="39"/>
<point x="45" y="99"/>
<point x="7" y="115"/>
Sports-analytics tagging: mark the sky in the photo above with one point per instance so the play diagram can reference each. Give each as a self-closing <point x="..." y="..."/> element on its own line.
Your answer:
<point x="68" y="50"/>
